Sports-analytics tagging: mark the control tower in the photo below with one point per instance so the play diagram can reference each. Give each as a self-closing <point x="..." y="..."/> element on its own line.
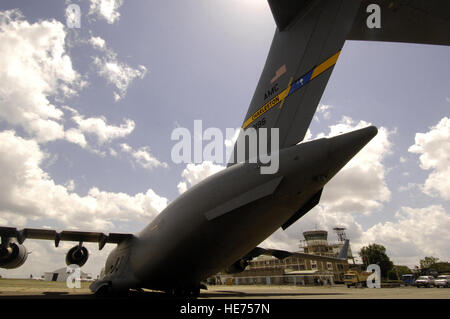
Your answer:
<point x="316" y="242"/>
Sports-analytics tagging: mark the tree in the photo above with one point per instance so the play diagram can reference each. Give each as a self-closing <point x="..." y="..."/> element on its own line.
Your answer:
<point x="376" y="254"/>
<point x="402" y="270"/>
<point x="428" y="262"/>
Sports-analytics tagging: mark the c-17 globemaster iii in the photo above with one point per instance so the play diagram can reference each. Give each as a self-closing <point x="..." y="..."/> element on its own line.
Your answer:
<point x="217" y="224"/>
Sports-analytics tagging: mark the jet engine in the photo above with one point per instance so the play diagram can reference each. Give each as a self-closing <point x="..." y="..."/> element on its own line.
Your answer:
<point x="237" y="267"/>
<point x="77" y="255"/>
<point x="12" y="255"/>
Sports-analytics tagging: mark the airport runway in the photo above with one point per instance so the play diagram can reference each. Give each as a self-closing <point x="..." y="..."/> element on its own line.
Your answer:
<point x="334" y="292"/>
<point x="24" y="289"/>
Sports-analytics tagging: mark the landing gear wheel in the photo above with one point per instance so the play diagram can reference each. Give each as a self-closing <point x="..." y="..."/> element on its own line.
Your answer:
<point x="184" y="292"/>
<point x="194" y="293"/>
<point x="104" y="291"/>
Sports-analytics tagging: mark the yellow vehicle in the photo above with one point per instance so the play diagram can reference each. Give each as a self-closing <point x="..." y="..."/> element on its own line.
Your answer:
<point x="356" y="278"/>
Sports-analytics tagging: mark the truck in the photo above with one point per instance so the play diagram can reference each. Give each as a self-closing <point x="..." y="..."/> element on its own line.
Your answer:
<point x="408" y="279"/>
<point x="356" y="278"/>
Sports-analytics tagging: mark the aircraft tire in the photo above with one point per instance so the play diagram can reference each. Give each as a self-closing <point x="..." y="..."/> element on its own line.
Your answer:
<point x="184" y="292"/>
<point x="104" y="291"/>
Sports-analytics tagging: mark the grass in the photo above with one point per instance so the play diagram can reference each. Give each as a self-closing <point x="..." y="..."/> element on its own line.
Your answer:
<point x="38" y="284"/>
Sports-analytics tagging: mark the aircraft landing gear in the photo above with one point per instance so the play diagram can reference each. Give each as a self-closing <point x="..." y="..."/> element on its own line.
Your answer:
<point x="184" y="292"/>
<point x="105" y="290"/>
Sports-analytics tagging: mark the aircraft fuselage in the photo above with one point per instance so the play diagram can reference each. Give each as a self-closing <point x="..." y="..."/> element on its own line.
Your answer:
<point x="195" y="236"/>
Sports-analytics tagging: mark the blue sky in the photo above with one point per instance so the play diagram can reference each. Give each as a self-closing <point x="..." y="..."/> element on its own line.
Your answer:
<point x="91" y="138"/>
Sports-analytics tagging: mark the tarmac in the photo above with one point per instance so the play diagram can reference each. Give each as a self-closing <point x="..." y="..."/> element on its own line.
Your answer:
<point x="36" y="289"/>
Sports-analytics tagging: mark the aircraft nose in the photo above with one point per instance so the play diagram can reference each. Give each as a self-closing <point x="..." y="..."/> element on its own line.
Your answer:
<point x="343" y="147"/>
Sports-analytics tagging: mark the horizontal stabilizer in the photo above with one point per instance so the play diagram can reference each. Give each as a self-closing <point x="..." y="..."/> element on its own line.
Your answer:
<point x="280" y="254"/>
<point x="252" y="195"/>
<point x="277" y="253"/>
<point x="414" y="21"/>
<point x="310" y="204"/>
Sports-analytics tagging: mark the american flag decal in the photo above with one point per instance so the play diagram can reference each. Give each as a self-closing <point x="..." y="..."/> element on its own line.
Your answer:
<point x="278" y="73"/>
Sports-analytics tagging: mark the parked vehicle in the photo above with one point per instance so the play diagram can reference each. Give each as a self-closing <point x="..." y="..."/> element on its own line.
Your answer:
<point x="442" y="281"/>
<point x="408" y="279"/>
<point x="356" y="278"/>
<point x="425" y="281"/>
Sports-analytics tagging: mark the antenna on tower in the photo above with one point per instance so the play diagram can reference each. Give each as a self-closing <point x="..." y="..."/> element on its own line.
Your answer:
<point x="342" y="237"/>
<point x="340" y="231"/>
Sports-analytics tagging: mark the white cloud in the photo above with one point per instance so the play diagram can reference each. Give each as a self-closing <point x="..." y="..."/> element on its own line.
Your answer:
<point x="195" y="173"/>
<point x="76" y="136"/>
<point x="417" y="232"/>
<point x="434" y="149"/>
<point x="281" y="240"/>
<point x="27" y="192"/>
<point x="97" y="42"/>
<point x="112" y="152"/>
<point x="96" y="126"/>
<point x="70" y="185"/>
<point x="103" y="131"/>
<point x="106" y="9"/>
<point x="182" y="187"/>
<point x="308" y="135"/>
<point x="33" y="67"/>
<point x="143" y="157"/>
<point x="118" y="74"/>
<point x="324" y="109"/>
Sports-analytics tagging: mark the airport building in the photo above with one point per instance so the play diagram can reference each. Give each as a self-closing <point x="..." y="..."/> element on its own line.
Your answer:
<point x="315" y="263"/>
<point x="62" y="274"/>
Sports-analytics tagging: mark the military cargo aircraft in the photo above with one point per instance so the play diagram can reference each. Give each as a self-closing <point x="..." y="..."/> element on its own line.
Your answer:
<point x="217" y="224"/>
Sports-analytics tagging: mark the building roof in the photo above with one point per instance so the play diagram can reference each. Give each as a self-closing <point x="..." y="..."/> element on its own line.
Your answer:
<point x="302" y="272"/>
<point x="309" y="273"/>
<point x="64" y="271"/>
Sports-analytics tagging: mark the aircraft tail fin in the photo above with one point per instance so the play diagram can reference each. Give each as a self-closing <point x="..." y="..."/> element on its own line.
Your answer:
<point x="307" y="42"/>
<point x="343" y="254"/>
<point x="284" y="12"/>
